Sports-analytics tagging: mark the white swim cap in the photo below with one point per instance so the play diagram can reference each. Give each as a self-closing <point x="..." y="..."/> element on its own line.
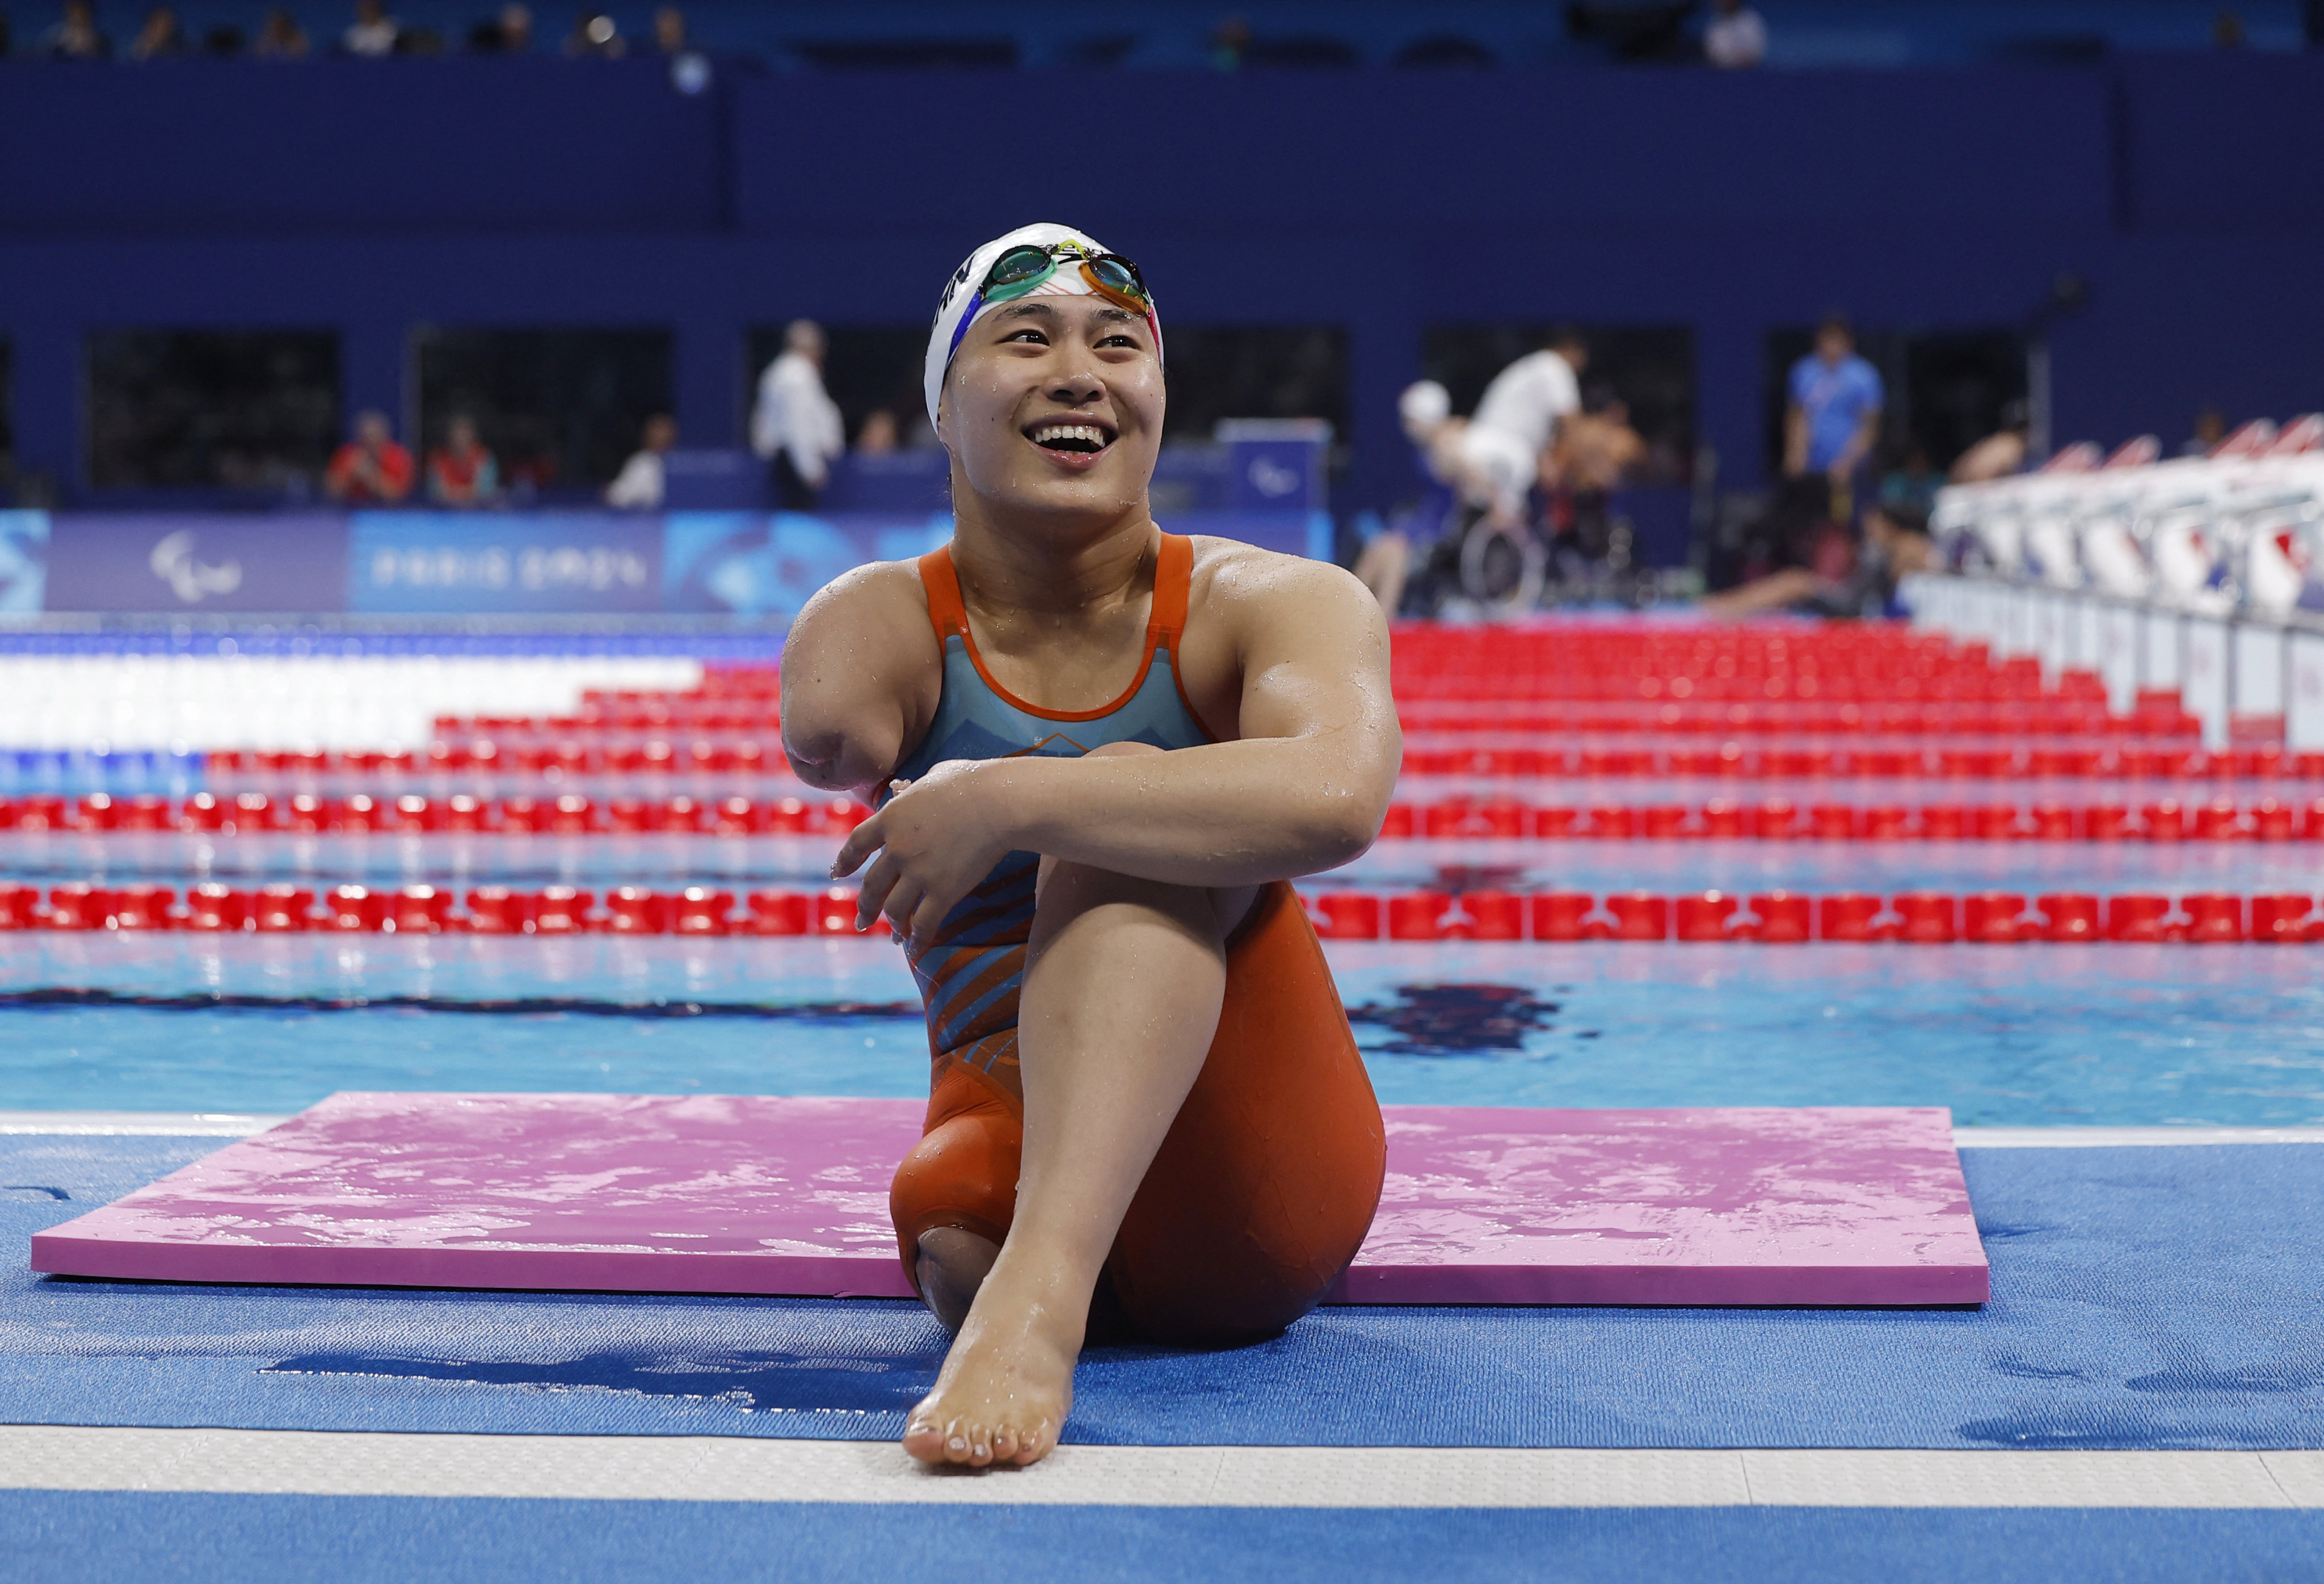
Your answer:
<point x="962" y="302"/>
<point x="1423" y="405"/>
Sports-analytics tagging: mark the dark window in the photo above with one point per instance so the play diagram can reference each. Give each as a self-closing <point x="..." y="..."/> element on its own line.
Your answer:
<point x="996" y="54"/>
<point x="1302" y="51"/>
<point x="1443" y="50"/>
<point x="1648" y="369"/>
<point x="1253" y="371"/>
<point x="1946" y="388"/>
<point x="866" y="368"/>
<point x="560" y="409"/>
<point x="248" y="409"/>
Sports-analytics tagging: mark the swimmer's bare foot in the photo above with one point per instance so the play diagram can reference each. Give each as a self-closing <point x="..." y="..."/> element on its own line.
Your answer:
<point x="1005" y="1387"/>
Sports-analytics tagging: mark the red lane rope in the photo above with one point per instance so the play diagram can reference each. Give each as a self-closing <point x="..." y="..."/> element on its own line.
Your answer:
<point x="1772" y="917"/>
<point x="2219" y="819"/>
<point x="292" y="909"/>
<point x="2165" y="819"/>
<point x="1889" y="757"/>
<point x="1789" y="918"/>
<point x="409" y="813"/>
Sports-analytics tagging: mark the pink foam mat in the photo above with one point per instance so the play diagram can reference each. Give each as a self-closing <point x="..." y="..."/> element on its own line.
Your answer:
<point x="1826" y="1205"/>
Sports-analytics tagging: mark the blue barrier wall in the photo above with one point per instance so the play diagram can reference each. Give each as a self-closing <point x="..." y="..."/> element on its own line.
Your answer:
<point x="376" y="197"/>
<point x="755" y="566"/>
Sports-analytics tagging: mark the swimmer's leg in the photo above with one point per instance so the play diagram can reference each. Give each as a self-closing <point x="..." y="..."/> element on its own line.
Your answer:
<point x="1123" y="983"/>
<point x="1382" y="569"/>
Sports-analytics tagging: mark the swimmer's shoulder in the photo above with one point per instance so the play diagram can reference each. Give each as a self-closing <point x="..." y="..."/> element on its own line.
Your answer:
<point x="862" y="673"/>
<point x="1308" y="628"/>
<point x="1239" y="583"/>
<point x="881" y="603"/>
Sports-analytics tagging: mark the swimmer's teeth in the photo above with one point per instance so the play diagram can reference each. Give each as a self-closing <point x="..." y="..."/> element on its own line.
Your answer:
<point x="1062" y="433"/>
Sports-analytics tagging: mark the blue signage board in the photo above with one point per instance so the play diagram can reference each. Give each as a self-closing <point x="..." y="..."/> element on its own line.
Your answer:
<point x="149" y="562"/>
<point x="756" y="565"/>
<point x="23" y="562"/>
<point x="764" y="567"/>
<point x="502" y="563"/>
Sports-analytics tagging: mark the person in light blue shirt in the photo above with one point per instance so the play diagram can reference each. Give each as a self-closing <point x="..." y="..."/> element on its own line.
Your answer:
<point x="1834" y="412"/>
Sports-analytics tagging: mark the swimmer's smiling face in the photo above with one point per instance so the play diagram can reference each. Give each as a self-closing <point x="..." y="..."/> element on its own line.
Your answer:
<point x="1054" y="404"/>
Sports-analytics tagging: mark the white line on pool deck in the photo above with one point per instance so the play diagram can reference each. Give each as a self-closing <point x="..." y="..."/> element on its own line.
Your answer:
<point x="2102" y="1137"/>
<point x="238" y="1124"/>
<point x="617" y="1468"/>
<point x="162" y="1124"/>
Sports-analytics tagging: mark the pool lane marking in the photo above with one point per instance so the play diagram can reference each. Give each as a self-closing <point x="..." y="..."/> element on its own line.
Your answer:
<point x="238" y="1124"/>
<point x="625" y="1468"/>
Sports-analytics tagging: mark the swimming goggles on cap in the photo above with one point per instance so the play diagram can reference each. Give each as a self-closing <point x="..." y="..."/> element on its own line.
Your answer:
<point x="1109" y="274"/>
<point x="1017" y="272"/>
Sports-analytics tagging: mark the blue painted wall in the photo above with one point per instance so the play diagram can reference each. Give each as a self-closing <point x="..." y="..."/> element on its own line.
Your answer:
<point x="375" y="196"/>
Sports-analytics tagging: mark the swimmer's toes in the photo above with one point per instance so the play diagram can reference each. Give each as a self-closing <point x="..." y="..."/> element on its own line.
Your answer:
<point x="924" y="1439"/>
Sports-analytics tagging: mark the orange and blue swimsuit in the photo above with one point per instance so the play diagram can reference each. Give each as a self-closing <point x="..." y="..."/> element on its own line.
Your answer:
<point x="1266" y="1184"/>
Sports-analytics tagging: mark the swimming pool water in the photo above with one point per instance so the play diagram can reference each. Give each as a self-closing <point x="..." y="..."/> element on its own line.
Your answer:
<point x="2020" y="1037"/>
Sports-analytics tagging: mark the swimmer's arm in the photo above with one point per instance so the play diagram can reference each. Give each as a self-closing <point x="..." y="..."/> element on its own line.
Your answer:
<point x="1302" y="790"/>
<point x="860" y="678"/>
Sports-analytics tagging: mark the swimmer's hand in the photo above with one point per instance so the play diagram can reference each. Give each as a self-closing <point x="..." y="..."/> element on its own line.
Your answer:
<point x="936" y="838"/>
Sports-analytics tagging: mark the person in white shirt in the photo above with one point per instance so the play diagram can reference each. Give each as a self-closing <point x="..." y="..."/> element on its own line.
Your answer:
<point x="1493" y="458"/>
<point x="1734" y="37"/>
<point x="795" y="425"/>
<point x="372" y="32"/>
<point x="639" y="487"/>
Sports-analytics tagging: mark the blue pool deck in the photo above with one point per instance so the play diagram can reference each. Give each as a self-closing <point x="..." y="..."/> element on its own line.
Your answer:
<point x="2142" y="1399"/>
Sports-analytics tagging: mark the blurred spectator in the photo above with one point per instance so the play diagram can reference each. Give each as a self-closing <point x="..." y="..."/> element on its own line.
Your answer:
<point x="516" y="30"/>
<point x="669" y="30"/>
<point x="1229" y="41"/>
<point x="461" y="472"/>
<point x="1834" y="415"/>
<point x="508" y="33"/>
<point x="281" y="38"/>
<point x="1912" y="484"/>
<point x="877" y="437"/>
<point x="1494" y="458"/>
<point x="1999" y="453"/>
<point x="1734" y="36"/>
<point x="76" y="36"/>
<point x="2210" y="428"/>
<point x="160" y="39"/>
<point x="1896" y="544"/>
<point x="639" y="487"/>
<point x="223" y="41"/>
<point x="372" y="32"/>
<point x="2228" y="32"/>
<point x="594" y="34"/>
<point x="370" y="469"/>
<point x="795" y="425"/>
<point x="1594" y="451"/>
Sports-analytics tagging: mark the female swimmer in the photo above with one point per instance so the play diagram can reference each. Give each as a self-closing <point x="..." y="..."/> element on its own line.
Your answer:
<point x="1102" y="751"/>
